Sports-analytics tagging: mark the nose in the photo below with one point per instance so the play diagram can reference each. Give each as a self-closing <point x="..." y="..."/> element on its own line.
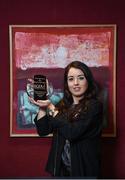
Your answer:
<point x="76" y="81"/>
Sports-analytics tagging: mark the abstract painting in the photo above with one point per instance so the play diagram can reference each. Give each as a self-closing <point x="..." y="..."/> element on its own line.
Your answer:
<point x="47" y="49"/>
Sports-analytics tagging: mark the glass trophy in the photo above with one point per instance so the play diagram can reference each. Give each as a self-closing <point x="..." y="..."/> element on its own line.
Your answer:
<point x="40" y="87"/>
<point x="37" y="87"/>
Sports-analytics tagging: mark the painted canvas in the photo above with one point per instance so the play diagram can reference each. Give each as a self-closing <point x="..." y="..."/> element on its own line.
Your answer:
<point x="47" y="50"/>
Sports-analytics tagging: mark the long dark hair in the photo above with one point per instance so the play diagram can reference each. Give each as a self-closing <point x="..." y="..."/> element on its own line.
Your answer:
<point x="90" y="93"/>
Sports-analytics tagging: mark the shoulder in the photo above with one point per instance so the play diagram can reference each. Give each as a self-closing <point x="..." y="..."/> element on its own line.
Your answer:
<point x="95" y="104"/>
<point x="95" y="101"/>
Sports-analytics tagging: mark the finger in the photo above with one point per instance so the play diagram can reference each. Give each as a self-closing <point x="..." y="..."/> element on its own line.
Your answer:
<point x="47" y="85"/>
<point x="31" y="80"/>
<point x="43" y="101"/>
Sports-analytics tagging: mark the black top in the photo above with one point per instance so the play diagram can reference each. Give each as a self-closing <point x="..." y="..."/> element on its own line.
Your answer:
<point x="84" y="137"/>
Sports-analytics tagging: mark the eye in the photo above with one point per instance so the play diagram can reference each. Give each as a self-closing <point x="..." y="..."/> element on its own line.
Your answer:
<point x="81" y="77"/>
<point x="70" y="78"/>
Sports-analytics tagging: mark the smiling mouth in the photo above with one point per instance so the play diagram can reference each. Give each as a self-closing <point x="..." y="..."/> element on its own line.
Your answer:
<point x="76" y="89"/>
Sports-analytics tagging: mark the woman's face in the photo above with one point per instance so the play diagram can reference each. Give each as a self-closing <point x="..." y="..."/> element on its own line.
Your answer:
<point x="77" y="83"/>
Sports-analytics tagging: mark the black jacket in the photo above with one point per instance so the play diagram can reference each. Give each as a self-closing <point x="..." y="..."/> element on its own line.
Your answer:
<point x="84" y="136"/>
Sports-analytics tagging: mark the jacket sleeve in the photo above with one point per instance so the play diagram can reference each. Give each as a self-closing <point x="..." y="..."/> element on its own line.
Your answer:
<point x="47" y="124"/>
<point x="88" y="125"/>
<point x="43" y="126"/>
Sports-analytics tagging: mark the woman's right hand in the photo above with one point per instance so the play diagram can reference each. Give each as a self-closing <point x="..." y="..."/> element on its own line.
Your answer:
<point x="41" y="103"/>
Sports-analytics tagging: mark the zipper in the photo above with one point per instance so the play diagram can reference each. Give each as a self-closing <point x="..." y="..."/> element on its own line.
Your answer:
<point x="56" y="155"/>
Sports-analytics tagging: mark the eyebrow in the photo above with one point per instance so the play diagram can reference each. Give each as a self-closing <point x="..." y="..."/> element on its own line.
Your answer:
<point x="77" y="76"/>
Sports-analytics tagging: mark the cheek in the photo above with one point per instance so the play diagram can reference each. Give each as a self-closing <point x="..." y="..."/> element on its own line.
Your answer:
<point x="70" y="86"/>
<point x="85" y="86"/>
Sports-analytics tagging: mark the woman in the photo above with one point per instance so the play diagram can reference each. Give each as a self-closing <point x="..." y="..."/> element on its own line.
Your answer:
<point x="76" y="124"/>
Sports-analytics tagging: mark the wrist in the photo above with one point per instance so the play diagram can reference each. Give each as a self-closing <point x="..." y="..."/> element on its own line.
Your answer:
<point x="51" y="110"/>
<point x="51" y="106"/>
<point x="41" y="114"/>
<point x="42" y="108"/>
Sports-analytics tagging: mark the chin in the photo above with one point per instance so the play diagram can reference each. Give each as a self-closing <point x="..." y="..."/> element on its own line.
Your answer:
<point x="78" y="95"/>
